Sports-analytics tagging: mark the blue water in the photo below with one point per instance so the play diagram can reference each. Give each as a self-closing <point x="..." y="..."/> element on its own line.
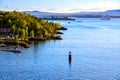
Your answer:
<point x="95" y="46"/>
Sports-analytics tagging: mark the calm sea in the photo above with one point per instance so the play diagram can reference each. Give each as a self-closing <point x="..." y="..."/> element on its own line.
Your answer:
<point x="95" y="47"/>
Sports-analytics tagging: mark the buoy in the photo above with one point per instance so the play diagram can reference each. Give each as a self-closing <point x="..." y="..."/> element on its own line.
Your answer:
<point x="70" y="57"/>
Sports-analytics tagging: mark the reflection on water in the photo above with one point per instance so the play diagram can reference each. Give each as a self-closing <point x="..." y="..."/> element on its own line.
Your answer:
<point x="95" y="47"/>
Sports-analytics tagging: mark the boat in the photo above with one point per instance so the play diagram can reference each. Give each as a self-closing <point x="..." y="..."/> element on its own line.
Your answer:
<point x="68" y="22"/>
<point x="79" y="21"/>
<point x="15" y="50"/>
<point x="105" y="17"/>
<point x="2" y="45"/>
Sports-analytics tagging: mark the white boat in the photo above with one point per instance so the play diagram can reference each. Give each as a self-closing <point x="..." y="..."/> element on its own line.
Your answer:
<point x="15" y="50"/>
<point x="2" y="45"/>
<point x="105" y="17"/>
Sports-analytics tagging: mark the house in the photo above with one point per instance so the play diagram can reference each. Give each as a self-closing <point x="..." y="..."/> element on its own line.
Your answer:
<point x="5" y="29"/>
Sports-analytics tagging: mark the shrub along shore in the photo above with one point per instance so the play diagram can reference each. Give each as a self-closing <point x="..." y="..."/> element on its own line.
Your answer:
<point x="21" y="28"/>
<point x="25" y="44"/>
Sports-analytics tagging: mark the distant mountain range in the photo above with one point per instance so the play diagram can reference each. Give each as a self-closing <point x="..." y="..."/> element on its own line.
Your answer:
<point x="112" y="13"/>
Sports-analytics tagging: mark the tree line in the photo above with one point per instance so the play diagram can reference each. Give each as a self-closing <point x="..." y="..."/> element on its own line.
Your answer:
<point x="26" y="25"/>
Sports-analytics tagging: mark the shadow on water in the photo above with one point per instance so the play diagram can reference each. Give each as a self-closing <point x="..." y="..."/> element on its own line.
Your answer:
<point x="37" y="49"/>
<point x="36" y="45"/>
<point x="17" y="57"/>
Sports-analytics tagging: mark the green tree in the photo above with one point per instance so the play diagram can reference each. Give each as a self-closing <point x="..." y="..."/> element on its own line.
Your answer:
<point x="32" y="33"/>
<point x="0" y="38"/>
<point x="9" y="22"/>
<point x="16" y="38"/>
<point x="26" y="31"/>
<point x="22" y="32"/>
<point x="13" y="38"/>
<point x="14" y="29"/>
<point x="26" y="25"/>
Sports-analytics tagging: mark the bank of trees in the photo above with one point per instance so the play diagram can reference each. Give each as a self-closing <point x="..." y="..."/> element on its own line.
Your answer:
<point x="26" y="25"/>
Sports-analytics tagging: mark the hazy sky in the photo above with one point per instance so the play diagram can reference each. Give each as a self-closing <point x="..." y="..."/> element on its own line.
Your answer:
<point x="60" y="5"/>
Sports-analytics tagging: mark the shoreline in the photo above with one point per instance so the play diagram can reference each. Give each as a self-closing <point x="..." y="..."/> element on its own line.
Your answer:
<point x="26" y="44"/>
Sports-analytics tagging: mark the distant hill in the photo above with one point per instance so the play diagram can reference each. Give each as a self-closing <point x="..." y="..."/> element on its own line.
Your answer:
<point x="37" y="13"/>
<point x="112" y="13"/>
<point x="43" y="14"/>
<point x="118" y="10"/>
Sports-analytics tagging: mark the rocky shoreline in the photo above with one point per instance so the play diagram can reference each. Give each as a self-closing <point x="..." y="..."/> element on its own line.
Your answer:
<point x="10" y="42"/>
<point x="25" y="44"/>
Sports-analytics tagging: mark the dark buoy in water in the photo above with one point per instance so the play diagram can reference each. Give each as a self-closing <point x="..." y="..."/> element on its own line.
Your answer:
<point x="70" y="57"/>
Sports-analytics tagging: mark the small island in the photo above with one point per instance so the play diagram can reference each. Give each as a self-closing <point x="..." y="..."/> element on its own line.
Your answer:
<point x="21" y="28"/>
<point x="57" y="18"/>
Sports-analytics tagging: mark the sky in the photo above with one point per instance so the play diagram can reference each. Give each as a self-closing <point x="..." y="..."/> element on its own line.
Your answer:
<point x="59" y="6"/>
